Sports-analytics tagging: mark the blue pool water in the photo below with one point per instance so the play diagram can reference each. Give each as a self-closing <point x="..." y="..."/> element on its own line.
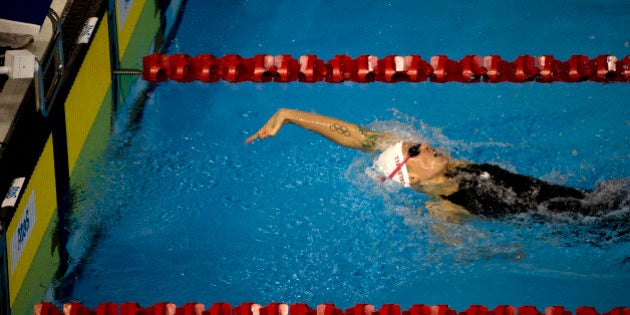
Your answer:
<point x="182" y="210"/>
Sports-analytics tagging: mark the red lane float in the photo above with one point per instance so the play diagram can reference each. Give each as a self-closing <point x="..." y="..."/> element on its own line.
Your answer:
<point x="164" y="308"/>
<point x="368" y="68"/>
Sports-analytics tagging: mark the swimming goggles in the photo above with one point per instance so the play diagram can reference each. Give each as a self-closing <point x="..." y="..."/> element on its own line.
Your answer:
<point x="413" y="151"/>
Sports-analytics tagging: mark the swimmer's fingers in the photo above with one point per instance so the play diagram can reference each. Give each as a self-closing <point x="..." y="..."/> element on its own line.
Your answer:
<point x="259" y="135"/>
<point x="251" y="138"/>
<point x="270" y="129"/>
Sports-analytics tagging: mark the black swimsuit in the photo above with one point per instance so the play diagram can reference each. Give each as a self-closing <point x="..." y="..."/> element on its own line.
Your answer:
<point x="490" y="190"/>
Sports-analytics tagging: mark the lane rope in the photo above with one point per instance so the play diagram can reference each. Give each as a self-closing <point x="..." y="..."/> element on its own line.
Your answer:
<point x="391" y="69"/>
<point x="219" y="308"/>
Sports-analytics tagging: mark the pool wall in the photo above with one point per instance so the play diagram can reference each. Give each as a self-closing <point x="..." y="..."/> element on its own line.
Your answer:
<point x="35" y="210"/>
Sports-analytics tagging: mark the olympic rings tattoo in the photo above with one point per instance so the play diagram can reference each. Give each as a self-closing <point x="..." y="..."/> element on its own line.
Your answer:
<point x="340" y="129"/>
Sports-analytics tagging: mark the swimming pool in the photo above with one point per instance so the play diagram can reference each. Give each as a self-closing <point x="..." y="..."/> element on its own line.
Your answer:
<point x="181" y="209"/>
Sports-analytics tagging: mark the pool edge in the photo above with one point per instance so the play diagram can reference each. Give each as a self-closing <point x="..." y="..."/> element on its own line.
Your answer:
<point x="86" y="125"/>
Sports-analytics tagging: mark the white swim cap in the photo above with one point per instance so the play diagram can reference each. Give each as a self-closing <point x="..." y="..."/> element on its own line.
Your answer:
<point x="391" y="164"/>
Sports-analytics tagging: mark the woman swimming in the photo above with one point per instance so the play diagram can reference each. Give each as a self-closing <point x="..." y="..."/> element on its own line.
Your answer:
<point x="457" y="187"/>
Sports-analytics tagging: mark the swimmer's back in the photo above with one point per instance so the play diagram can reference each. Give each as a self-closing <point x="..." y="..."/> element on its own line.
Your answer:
<point x="489" y="190"/>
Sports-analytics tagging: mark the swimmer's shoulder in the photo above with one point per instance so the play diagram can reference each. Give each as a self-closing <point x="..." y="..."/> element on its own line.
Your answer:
<point x="375" y="141"/>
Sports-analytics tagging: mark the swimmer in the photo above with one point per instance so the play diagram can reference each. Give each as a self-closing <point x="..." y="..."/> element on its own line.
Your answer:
<point x="458" y="188"/>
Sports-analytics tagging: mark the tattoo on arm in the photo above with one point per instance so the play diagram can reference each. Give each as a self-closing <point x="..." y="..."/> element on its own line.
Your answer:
<point x="341" y="129"/>
<point x="370" y="139"/>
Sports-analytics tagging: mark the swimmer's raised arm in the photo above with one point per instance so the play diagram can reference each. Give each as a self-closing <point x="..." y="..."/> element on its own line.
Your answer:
<point x="341" y="132"/>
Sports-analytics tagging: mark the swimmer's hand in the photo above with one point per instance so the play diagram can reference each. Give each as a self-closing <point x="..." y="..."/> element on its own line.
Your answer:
<point x="271" y="127"/>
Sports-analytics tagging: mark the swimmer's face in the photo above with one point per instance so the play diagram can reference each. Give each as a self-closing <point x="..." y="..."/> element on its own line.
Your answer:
<point x="426" y="165"/>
